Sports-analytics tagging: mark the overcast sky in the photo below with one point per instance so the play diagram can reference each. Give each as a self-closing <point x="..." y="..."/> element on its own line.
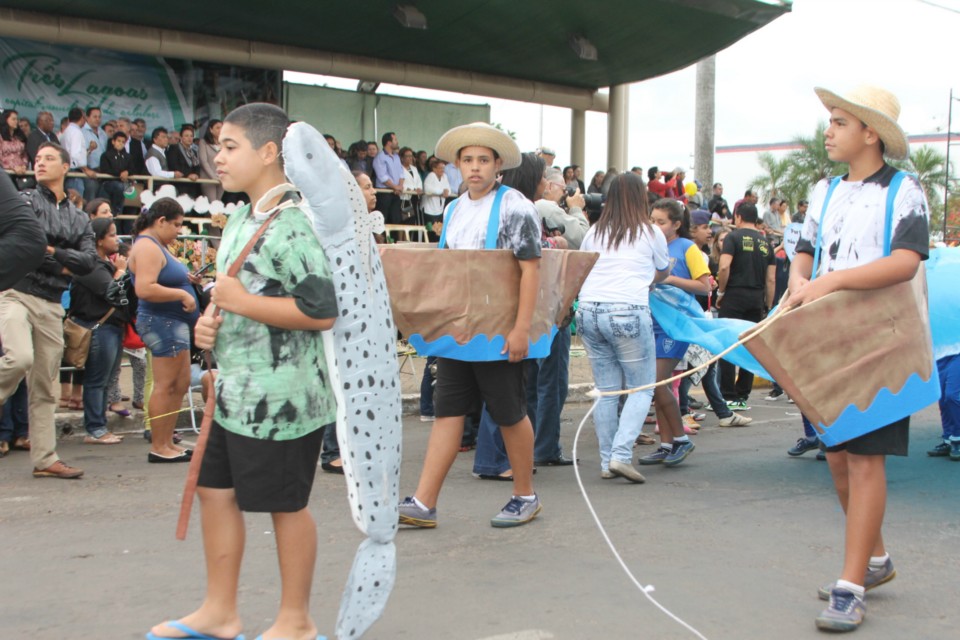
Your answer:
<point x="765" y="85"/>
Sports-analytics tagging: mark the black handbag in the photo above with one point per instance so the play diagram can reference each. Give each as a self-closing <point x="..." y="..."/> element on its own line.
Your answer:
<point x="121" y="293"/>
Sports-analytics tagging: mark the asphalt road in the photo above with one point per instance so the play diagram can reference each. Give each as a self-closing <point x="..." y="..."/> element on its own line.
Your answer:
<point x="735" y="542"/>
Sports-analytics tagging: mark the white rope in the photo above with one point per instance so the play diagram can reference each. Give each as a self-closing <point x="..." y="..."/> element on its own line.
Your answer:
<point x="598" y="395"/>
<point x="646" y="590"/>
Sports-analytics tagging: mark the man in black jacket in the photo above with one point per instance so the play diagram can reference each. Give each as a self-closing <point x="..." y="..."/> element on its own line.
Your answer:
<point x="42" y="133"/>
<point x="31" y="316"/>
<point x="116" y="162"/>
<point x="21" y="237"/>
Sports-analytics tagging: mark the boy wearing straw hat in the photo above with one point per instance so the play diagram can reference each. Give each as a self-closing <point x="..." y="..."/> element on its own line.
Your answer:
<point x="850" y="216"/>
<point x="485" y="215"/>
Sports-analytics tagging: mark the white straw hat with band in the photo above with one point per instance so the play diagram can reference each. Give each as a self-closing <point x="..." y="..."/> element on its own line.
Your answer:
<point x="878" y="109"/>
<point x="479" y="134"/>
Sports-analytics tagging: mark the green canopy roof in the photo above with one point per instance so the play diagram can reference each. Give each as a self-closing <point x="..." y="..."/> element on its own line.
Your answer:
<point x="523" y="39"/>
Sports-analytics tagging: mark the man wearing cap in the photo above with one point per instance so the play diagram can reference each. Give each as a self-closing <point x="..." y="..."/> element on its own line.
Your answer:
<point x="480" y="152"/>
<point x="849" y="219"/>
<point x="548" y="155"/>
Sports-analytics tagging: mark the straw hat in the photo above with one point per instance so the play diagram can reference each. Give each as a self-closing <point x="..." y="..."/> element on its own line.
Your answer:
<point x="478" y="134"/>
<point x="878" y="109"/>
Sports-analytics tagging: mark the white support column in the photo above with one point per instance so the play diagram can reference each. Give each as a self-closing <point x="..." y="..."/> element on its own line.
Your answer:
<point x="617" y="129"/>
<point x="578" y="138"/>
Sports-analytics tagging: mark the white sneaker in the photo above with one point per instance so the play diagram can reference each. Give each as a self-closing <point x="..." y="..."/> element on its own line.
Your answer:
<point x="736" y="420"/>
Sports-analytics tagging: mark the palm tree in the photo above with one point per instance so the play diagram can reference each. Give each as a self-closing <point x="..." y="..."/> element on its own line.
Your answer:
<point x="811" y="164"/>
<point x="774" y="177"/>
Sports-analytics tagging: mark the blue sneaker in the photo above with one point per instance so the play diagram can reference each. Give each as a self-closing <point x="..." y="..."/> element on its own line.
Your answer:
<point x="517" y="512"/>
<point x="844" y="613"/>
<point x="657" y="457"/>
<point x="412" y="514"/>
<point x="803" y="445"/>
<point x="679" y="453"/>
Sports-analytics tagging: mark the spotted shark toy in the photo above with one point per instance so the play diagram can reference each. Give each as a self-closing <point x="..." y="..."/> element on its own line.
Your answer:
<point x="361" y="355"/>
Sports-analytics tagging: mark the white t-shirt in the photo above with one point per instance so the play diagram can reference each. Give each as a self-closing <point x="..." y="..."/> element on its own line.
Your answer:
<point x="466" y="227"/>
<point x="853" y="225"/>
<point x="433" y="188"/>
<point x="626" y="273"/>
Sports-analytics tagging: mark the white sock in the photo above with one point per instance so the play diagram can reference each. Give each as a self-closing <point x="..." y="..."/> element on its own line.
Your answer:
<point x="527" y="498"/>
<point x="681" y="439"/>
<point x="877" y="562"/>
<point x="857" y="589"/>
<point x="666" y="446"/>
<point x="420" y="504"/>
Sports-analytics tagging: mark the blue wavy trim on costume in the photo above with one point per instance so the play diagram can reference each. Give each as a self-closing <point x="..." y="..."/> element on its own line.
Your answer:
<point x="887" y="407"/>
<point x="683" y="319"/>
<point x="479" y="349"/>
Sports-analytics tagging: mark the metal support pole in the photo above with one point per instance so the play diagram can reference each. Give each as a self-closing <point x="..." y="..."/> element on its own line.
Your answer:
<point x="946" y="180"/>
<point x="705" y="119"/>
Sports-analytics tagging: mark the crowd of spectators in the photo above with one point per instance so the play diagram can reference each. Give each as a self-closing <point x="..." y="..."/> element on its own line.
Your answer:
<point x="109" y="154"/>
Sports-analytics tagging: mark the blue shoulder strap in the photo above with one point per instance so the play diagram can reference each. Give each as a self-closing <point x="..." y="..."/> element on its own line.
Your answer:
<point x="823" y="214"/>
<point x="891" y="197"/>
<point x="446" y="219"/>
<point x="887" y="223"/>
<point x="493" y="221"/>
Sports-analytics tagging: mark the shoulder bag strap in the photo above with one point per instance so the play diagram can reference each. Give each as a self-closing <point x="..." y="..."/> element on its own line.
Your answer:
<point x="823" y="215"/>
<point x="238" y="263"/>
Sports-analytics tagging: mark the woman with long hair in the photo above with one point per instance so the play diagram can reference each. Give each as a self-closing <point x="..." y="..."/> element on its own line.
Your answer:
<point x="614" y="319"/>
<point x="167" y="311"/>
<point x="13" y="144"/>
<point x="691" y="275"/>
<point x="209" y="148"/>
<point x="89" y="304"/>
<point x="596" y="184"/>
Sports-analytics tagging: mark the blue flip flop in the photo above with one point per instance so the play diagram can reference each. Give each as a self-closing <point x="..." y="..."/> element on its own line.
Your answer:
<point x="318" y="638"/>
<point x="192" y="634"/>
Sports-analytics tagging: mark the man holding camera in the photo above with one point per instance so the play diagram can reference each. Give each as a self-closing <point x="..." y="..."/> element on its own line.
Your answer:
<point x="571" y="223"/>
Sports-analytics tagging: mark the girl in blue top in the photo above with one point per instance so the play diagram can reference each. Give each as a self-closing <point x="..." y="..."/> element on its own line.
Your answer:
<point x="691" y="274"/>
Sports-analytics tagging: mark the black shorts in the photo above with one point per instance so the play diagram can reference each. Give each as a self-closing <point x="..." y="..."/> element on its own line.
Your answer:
<point x="891" y="440"/>
<point x="268" y="476"/>
<point x="463" y="386"/>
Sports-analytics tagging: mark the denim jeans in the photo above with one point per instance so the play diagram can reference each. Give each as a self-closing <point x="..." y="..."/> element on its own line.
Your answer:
<point x="620" y="344"/>
<point x="491" y="457"/>
<point x="15" y="421"/>
<point x="949" y="369"/>
<point x="114" y="191"/>
<point x="426" y="388"/>
<point x="106" y="344"/>
<point x="331" y="446"/>
<point x="548" y="380"/>
<point x="712" y="388"/>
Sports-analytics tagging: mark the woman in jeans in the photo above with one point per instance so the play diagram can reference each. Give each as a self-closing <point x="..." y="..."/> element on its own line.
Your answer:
<point x="614" y="320"/>
<point x="166" y="314"/>
<point x="89" y="304"/>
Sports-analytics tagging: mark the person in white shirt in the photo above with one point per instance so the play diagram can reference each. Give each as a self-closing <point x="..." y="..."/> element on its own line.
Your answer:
<point x="412" y="185"/>
<point x="157" y="158"/>
<point x="73" y="141"/>
<point x="436" y="189"/>
<point x="614" y="318"/>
